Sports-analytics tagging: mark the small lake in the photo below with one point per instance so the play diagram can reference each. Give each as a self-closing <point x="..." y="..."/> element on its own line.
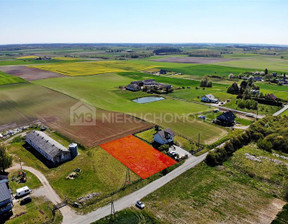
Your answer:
<point x="148" y="99"/>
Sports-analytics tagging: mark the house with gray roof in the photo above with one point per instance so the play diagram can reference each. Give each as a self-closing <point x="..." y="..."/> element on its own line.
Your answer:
<point x="52" y="150"/>
<point x="209" y="99"/>
<point x="6" y="203"/>
<point x="165" y="136"/>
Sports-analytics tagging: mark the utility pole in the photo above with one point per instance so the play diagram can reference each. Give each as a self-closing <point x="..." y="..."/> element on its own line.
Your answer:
<point x="20" y="165"/>
<point x="199" y="141"/>
<point x="112" y="210"/>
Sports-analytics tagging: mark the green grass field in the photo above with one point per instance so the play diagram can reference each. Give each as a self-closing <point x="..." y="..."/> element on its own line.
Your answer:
<point x="272" y="63"/>
<point x="240" y="190"/>
<point x="9" y="79"/>
<point x="32" y="181"/>
<point x="102" y="91"/>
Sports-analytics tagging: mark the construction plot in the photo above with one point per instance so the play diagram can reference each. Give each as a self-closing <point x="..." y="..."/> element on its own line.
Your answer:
<point x="138" y="156"/>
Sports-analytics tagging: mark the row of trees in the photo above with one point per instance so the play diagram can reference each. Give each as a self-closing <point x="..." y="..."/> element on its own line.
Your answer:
<point x="249" y="104"/>
<point x="245" y="86"/>
<point x="269" y="133"/>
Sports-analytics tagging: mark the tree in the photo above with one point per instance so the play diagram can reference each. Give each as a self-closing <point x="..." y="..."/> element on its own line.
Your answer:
<point x="233" y="89"/>
<point x="5" y="158"/>
<point x="266" y="71"/>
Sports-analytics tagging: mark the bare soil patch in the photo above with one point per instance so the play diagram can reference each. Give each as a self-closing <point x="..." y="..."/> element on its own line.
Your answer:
<point x="29" y="74"/>
<point x="193" y="60"/>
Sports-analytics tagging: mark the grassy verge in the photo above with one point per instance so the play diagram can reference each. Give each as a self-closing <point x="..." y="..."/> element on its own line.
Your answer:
<point x="130" y="216"/>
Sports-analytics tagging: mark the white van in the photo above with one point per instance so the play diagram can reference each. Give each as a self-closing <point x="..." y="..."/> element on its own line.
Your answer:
<point x="22" y="191"/>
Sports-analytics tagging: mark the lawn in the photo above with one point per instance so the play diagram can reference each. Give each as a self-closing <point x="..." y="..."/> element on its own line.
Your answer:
<point x="37" y="212"/>
<point x="32" y="181"/>
<point x="102" y="91"/>
<point x="240" y="191"/>
<point x="9" y="79"/>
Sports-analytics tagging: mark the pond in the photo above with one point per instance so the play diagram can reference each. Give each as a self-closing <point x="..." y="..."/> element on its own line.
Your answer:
<point x="148" y="99"/>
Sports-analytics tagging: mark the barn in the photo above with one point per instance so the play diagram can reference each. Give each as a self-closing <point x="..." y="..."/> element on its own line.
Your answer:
<point x="52" y="150"/>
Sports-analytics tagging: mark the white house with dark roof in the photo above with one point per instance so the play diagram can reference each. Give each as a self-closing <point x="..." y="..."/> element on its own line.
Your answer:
<point x="49" y="148"/>
<point x="209" y="99"/>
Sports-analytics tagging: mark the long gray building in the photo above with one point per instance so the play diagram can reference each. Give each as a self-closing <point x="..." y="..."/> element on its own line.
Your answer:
<point x="6" y="204"/>
<point x="49" y="148"/>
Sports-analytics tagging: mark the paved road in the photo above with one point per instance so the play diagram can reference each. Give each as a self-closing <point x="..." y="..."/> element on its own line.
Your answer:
<point x="130" y="199"/>
<point x="281" y="111"/>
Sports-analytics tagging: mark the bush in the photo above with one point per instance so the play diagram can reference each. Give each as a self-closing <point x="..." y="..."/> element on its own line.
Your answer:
<point x="164" y="147"/>
<point x="265" y="145"/>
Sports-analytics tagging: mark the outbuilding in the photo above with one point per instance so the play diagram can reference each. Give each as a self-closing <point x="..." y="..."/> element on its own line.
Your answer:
<point x="49" y="148"/>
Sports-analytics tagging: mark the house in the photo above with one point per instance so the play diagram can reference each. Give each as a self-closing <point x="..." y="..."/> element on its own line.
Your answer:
<point x="209" y="99"/>
<point x="226" y="118"/>
<point x="258" y="78"/>
<point x="133" y="87"/>
<point x="164" y="136"/>
<point x="49" y="148"/>
<point x="6" y="203"/>
<point x="254" y="91"/>
<point x="271" y="96"/>
<point x="163" y="72"/>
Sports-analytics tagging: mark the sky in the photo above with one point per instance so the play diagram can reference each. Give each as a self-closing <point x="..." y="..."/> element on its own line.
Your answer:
<point x="144" y="21"/>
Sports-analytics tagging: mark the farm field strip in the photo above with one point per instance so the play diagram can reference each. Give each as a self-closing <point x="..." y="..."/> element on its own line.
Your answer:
<point x="17" y="108"/>
<point x="102" y="91"/>
<point x="93" y="68"/>
<point x="138" y="156"/>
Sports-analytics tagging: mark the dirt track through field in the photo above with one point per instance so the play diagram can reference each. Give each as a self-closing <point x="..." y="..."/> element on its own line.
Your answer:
<point x="29" y="74"/>
<point x="193" y="60"/>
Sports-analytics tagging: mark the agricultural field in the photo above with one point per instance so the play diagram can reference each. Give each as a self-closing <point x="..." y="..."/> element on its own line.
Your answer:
<point x="9" y="79"/>
<point x="53" y="109"/>
<point x="272" y="63"/>
<point x="241" y="189"/>
<point x="29" y="74"/>
<point x="93" y="68"/>
<point x="102" y="91"/>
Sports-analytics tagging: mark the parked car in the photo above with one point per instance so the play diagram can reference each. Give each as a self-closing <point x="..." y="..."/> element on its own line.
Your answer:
<point x="20" y="192"/>
<point x="25" y="200"/>
<point x="140" y="204"/>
